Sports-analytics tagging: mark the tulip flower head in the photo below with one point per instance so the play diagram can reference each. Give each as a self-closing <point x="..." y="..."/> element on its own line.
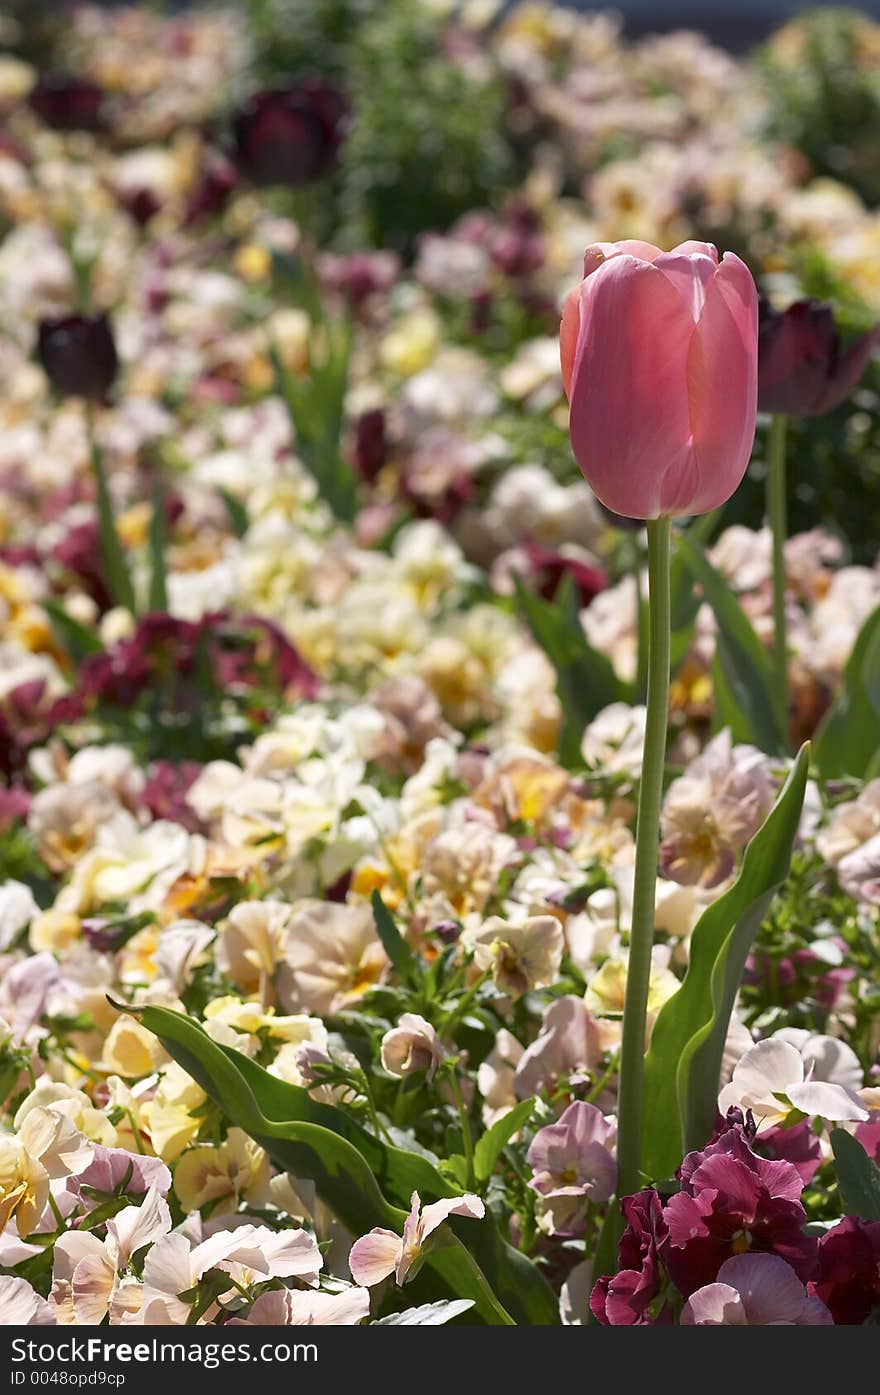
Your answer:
<point x="803" y="369"/>
<point x="67" y="103"/>
<point x="78" y="355"/>
<point x="659" y="359"/>
<point x="290" y="136"/>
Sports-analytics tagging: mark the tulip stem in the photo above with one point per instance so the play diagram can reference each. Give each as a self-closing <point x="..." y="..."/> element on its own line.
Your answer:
<point x="641" y="940"/>
<point x="776" y="516"/>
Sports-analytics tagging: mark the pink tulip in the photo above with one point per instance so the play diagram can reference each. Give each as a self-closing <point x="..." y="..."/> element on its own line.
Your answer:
<point x="659" y="358"/>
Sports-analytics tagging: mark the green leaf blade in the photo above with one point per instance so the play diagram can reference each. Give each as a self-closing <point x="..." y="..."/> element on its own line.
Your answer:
<point x="682" y="1066"/>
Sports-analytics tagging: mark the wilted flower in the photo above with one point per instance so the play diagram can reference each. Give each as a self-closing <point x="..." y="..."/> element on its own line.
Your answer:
<point x="381" y="1253"/>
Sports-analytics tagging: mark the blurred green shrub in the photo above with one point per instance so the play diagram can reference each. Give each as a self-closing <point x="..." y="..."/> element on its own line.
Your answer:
<point x="427" y="141"/>
<point x="822" y="76"/>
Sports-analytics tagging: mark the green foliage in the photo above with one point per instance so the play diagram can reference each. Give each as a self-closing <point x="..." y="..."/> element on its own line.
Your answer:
<point x="741" y="678"/>
<point x="316" y="404"/>
<point x="585" y="679"/>
<point x="427" y="141"/>
<point x="858" y="1177"/>
<point x="113" y="557"/>
<point x="489" y="1148"/>
<point x="393" y="943"/>
<point x="848" y="741"/>
<point x="684" y="1061"/>
<point x="823" y="92"/>
<point x="364" y="1180"/>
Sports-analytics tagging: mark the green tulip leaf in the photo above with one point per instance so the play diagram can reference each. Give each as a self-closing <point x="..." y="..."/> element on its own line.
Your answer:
<point x="361" y="1178"/>
<point x="848" y="740"/>
<point x="683" y="1064"/>
<point x="741" y="674"/>
<point x="858" y="1177"/>
<point x="585" y="679"/>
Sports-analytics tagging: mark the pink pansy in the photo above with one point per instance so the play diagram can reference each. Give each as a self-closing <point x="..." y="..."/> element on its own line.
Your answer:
<point x="755" y="1290"/>
<point x="290" y="1307"/>
<point x="383" y="1252"/>
<point x="110" y="1167"/>
<point x="571" y="1162"/>
<point x="772" y="1078"/>
<point x="568" y="1043"/>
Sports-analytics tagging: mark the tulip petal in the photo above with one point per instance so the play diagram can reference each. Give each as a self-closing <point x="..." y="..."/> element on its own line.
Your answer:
<point x="568" y="335"/>
<point x="629" y="418"/>
<point x="691" y="274"/>
<point x="722" y="391"/>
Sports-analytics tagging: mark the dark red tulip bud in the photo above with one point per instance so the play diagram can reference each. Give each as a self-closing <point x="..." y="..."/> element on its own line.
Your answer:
<point x="549" y="568"/>
<point x="803" y="369"/>
<point x="67" y="103"/>
<point x="211" y="194"/>
<point x="78" y="355"/>
<point x="290" y="136"/>
<point x="141" y="204"/>
<point x="370" y="449"/>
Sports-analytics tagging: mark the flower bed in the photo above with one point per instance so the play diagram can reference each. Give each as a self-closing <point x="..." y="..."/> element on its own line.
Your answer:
<point x="335" y="984"/>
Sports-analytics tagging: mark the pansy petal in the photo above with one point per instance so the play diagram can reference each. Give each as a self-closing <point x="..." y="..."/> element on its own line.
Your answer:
<point x="374" y="1256"/>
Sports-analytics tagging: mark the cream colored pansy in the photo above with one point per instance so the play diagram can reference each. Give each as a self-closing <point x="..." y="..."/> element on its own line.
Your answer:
<point x="172" y="1116"/>
<point x="236" y="1170"/>
<point x="138" y="866"/>
<point x="65" y="820"/>
<point x="75" y="1105"/>
<point x="252" y="941"/>
<point x="130" y="1050"/>
<point x="606" y="990"/>
<point x="251" y="1254"/>
<point x="46" y="1147"/>
<point x="91" y="1278"/>
<point x="613" y="741"/>
<point x="520" y="956"/>
<point x="796" y="1070"/>
<point x="462" y="866"/>
<point x="333" y="955"/>
<point x="17" y="910"/>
